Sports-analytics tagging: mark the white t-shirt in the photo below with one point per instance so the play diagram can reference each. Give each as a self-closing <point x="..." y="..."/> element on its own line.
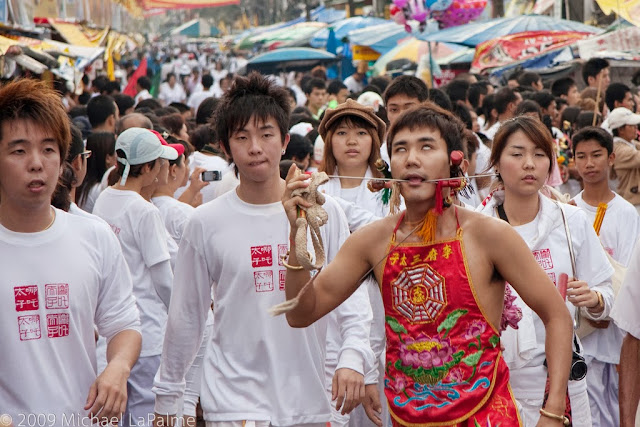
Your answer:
<point x="210" y="163"/>
<point x="174" y="213"/>
<point x="197" y="97"/>
<point x="142" y="95"/>
<point x="256" y="366"/>
<point x="525" y="347"/>
<point x="618" y="234"/>
<point x="167" y="94"/>
<point x="353" y="85"/>
<point x="92" y="196"/>
<point x="56" y="286"/>
<point x="143" y="238"/>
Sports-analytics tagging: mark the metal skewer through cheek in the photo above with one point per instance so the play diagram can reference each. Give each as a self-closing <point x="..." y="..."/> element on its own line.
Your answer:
<point x="406" y="180"/>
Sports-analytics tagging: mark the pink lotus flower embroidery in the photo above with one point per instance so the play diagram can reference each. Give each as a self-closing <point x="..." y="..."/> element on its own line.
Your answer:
<point x="511" y="313"/>
<point x="426" y="352"/>
<point x="399" y="385"/>
<point x="475" y="328"/>
<point x="456" y="375"/>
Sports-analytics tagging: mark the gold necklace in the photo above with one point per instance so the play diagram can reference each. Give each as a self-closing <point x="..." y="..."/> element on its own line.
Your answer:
<point x="52" y="221"/>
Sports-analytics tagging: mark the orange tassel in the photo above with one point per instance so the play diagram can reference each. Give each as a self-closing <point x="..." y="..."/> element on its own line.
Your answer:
<point x="428" y="230"/>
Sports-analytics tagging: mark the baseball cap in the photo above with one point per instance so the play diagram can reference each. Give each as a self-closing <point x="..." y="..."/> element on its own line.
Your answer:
<point x="178" y="147"/>
<point x="141" y="146"/>
<point x="622" y="116"/>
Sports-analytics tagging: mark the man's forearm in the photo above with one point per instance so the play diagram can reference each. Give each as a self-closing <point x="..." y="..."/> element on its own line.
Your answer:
<point x="124" y="348"/>
<point x="558" y="350"/>
<point x="294" y="282"/>
<point x="629" y="380"/>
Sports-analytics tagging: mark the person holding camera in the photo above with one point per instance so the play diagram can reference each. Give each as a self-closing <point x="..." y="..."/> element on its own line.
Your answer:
<point x="563" y="241"/>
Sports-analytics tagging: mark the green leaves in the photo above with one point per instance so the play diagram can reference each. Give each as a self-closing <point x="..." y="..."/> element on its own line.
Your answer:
<point x="451" y="320"/>
<point x="494" y="341"/>
<point x="395" y="325"/>
<point x="472" y="359"/>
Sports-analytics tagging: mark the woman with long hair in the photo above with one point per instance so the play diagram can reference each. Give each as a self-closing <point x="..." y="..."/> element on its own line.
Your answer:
<point x="103" y="157"/>
<point x="522" y="155"/>
<point x="352" y="134"/>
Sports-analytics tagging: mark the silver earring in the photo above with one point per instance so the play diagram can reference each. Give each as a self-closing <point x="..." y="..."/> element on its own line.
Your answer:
<point x="283" y="151"/>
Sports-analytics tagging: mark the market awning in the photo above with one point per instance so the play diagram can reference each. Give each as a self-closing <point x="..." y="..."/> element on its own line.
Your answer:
<point x="185" y="4"/>
<point x="195" y="28"/>
<point x="71" y="33"/>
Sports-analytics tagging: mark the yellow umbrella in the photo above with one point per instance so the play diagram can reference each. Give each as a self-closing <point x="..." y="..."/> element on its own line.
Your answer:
<point x="627" y="9"/>
<point x="412" y="50"/>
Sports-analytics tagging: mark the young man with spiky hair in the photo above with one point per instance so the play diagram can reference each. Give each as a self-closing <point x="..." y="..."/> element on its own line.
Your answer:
<point x="257" y="370"/>
<point x="63" y="274"/>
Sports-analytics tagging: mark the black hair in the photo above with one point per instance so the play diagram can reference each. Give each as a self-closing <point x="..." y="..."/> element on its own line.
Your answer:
<point x="172" y="122"/>
<point x="528" y="106"/>
<point x="299" y="147"/>
<point x="201" y="136"/>
<point x="101" y="144"/>
<point x="124" y="102"/>
<point x="99" y="109"/>
<point x="84" y="97"/>
<point x="585" y="119"/>
<point x="150" y="103"/>
<point x="615" y="92"/>
<point x="457" y="90"/>
<point x="527" y="78"/>
<point x="593" y="67"/>
<point x="475" y="91"/>
<point x="544" y="98"/>
<point x="431" y="116"/>
<point x="180" y="106"/>
<point x="76" y="147"/>
<point x="371" y="88"/>
<point x="207" y="81"/>
<point x="314" y="84"/>
<point x="252" y="97"/>
<point x="292" y="94"/>
<point x="380" y="81"/>
<point x="206" y="110"/>
<point x="335" y="86"/>
<point x="440" y="98"/>
<point x="77" y="111"/>
<point x="144" y="82"/>
<point x="410" y="86"/>
<point x="561" y="86"/>
<point x="61" y="197"/>
<point x="100" y="83"/>
<point x="598" y="134"/>
<point x="169" y="75"/>
<point x="462" y="112"/>
<point x="503" y="97"/>
<point x="112" y="87"/>
<point x="166" y="111"/>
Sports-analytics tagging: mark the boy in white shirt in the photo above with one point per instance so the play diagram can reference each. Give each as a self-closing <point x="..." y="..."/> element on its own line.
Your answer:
<point x="594" y="157"/>
<point x="63" y="274"/>
<point x="143" y="238"/>
<point x="257" y="370"/>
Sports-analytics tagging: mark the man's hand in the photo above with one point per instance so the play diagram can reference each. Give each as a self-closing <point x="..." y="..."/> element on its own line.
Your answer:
<point x="295" y="180"/>
<point x="371" y="404"/>
<point x="580" y="295"/>
<point x="107" y="398"/>
<point x="347" y="389"/>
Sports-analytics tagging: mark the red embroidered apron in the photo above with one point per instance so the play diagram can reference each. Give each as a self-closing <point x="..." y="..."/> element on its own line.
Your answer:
<point x="443" y="362"/>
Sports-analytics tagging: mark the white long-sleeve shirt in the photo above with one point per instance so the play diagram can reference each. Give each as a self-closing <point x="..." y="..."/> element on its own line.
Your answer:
<point x="545" y="235"/>
<point x="618" y="234"/>
<point x="256" y="367"/>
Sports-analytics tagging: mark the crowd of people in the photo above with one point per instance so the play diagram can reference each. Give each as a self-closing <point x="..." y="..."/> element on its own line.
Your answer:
<point x="476" y="265"/>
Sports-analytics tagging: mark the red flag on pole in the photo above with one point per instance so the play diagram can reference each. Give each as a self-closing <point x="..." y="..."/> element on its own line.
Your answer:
<point x="131" y="85"/>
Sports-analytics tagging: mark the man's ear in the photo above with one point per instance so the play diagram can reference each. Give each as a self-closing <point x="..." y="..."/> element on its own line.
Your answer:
<point x="612" y="158"/>
<point x="224" y="150"/>
<point x="172" y="171"/>
<point x="464" y="166"/>
<point x="287" y="138"/>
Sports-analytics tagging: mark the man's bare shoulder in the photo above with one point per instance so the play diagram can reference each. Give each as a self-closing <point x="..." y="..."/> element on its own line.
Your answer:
<point x="483" y="227"/>
<point x="376" y="233"/>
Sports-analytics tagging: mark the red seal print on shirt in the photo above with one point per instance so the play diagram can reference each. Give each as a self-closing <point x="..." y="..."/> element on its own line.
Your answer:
<point x="543" y="257"/>
<point x="283" y="275"/>
<point x="29" y="327"/>
<point x="282" y="252"/>
<point x="264" y="280"/>
<point x="56" y="296"/>
<point x="552" y="276"/>
<point x="261" y="256"/>
<point x="57" y="325"/>
<point x="26" y="298"/>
